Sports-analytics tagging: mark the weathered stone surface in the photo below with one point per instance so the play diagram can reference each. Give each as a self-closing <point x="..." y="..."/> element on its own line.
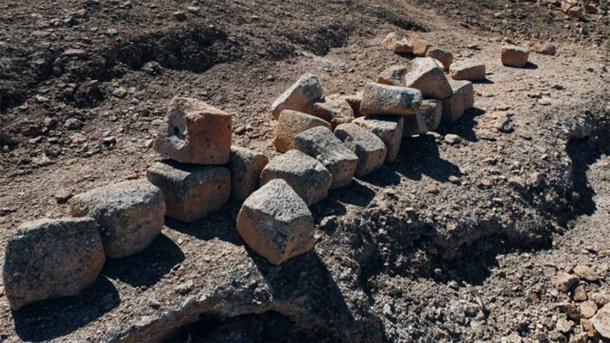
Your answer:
<point x="191" y="192"/>
<point x="442" y="55"/>
<point x="429" y="78"/>
<point x="514" y="56"/>
<point x="420" y="46"/>
<point x="394" y="76"/>
<point x="428" y="118"/>
<point x="385" y="99"/>
<point x="321" y="144"/>
<point x="300" y="96"/>
<point x="195" y="132"/>
<point x="306" y="175"/>
<point x="50" y="259"/>
<point x="276" y="223"/>
<point x="467" y="70"/>
<point x="334" y="109"/>
<point x="355" y="100"/>
<point x="397" y="43"/>
<point x="291" y="123"/>
<point x="246" y="166"/>
<point x="369" y="148"/>
<point x="461" y="100"/>
<point x="388" y="128"/>
<point x="129" y="215"/>
<point x="601" y="321"/>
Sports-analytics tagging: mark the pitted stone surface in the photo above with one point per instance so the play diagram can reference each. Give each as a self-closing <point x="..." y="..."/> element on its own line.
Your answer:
<point x="291" y="123"/>
<point x="300" y="96"/>
<point x="467" y="70"/>
<point x="195" y="132"/>
<point x="428" y="118"/>
<point x="321" y="144"/>
<point x="388" y="128"/>
<point x="129" y="215"/>
<point x="461" y="100"/>
<point x="369" y="148"/>
<point x="191" y="192"/>
<point x="393" y="76"/>
<point x="384" y="99"/>
<point x="306" y="175"/>
<point x="51" y="258"/>
<point x="334" y="109"/>
<point x="246" y="166"/>
<point x="276" y="223"/>
<point x="429" y="78"/>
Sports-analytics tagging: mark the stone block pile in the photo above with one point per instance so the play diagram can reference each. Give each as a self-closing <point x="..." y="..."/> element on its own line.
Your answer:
<point x="323" y="141"/>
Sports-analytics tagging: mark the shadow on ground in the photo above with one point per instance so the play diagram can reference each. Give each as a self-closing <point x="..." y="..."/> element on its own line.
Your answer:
<point x="147" y="267"/>
<point x="54" y="318"/>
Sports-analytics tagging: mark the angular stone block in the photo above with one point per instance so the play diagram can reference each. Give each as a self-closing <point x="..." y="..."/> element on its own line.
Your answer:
<point x="355" y="100"/>
<point x="429" y="78"/>
<point x="384" y="99"/>
<point x="393" y="76"/>
<point x="321" y="144"/>
<point x="388" y="128"/>
<point x="369" y="148"/>
<point x="306" y="175"/>
<point x="442" y="55"/>
<point x="467" y="70"/>
<point x="195" y="132"/>
<point x="397" y="43"/>
<point x="420" y="46"/>
<point x="51" y="258"/>
<point x="461" y="100"/>
<point x="428" y="118"/>
<point x="291" y="123"/>
<point x="129" y="215"/>
<point x="191" y="192"/>
<point x="515" y="56"/>
<point x="276" y="223"/>
<point x="300" y="96"/>
<point x="246" y="166"/>
<point x="334" y="109"/>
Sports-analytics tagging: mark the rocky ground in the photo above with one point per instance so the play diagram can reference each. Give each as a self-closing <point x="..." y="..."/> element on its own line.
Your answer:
<point x="462" y="239"/>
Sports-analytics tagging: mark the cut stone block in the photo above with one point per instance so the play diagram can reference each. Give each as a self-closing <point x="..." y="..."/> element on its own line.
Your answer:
<point x="394" y="76"/>
<point x="355" y="100"/>
<point x="195" y="132"/>
<point x="385" y="99"/>
<point x="467" y="70"/>
<point x="388" y="128"/>
<point x="306" y="175"/>
<point x="51" y="258"/>
<point x="514" y="56"/>
<point x="130" y="215"/>
<point x="191" y="192"/>
<point x="300" y="96"/>
<point x="429" y="78"/>
<point x="246" y="166"/>
<point x="291" y="123"/>
<point x="321" y="144"/>
<point x="397" y="43"/>
<point x="428" y="118"/>
<point x="369" y="148"/>
<point x="442" y="55"/>
<point x="420" y="46"/>
<point x="334" y="109"/>
<point x="461" y="100"/>
<point x="276" y="223"/>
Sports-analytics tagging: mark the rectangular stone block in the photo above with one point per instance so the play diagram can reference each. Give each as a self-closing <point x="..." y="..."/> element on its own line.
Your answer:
<point x="384" y="99"/>
<point x="321" y="144"/>
<point x="300" y="96"/>
<point x="428" y="118"/>
<point x="428" y="76"/>
<point x="246" y="166"/>
<point x="191" y="192"/>
<point x="195" y="132"/>
<point x="461" y="100"/>
<point x="388" y="128"/>
<point x="369" y="148"/>
<point x="290" y="124"/>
